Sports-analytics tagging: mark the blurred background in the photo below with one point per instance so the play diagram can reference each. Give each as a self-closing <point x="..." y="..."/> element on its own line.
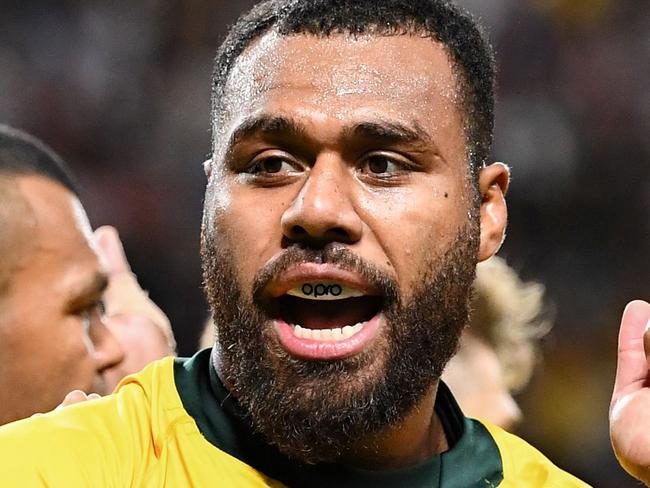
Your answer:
<point x="121" y="90"/>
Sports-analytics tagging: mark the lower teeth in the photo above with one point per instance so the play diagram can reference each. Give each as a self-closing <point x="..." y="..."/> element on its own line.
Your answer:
<point x="328" y="335"/>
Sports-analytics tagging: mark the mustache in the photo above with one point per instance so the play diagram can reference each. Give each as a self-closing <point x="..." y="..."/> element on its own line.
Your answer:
<point x="335" y="254"/>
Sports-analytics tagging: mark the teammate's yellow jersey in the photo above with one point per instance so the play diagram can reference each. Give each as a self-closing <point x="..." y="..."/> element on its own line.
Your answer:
<point x="174" y="425"/>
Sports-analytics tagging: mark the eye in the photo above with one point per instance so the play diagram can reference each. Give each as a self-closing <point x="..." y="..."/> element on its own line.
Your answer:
<point x="381" y="164"/>
<point x="96" y="310"/>
<point x="100" y="307"/>
<point x="272" y="165"/>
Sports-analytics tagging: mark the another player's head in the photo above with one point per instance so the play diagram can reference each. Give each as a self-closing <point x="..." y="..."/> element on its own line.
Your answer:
<point x="498" y="352"/>
<point x="52" y="338"/>
<point x="349" y="200"/>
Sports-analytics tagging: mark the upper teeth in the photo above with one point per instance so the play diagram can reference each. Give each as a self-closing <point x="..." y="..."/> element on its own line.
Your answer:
<point x="324" y="290"/>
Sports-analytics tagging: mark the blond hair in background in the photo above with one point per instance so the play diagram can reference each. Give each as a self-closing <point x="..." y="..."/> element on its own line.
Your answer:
<point x="499" y="350"/>
<point x="509" y="314"/>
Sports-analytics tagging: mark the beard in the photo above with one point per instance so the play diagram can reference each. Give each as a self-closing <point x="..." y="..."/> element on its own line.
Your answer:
<point x="316" y="411"/>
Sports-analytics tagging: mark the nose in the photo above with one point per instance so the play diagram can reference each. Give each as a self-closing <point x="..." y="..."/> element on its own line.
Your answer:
<point x="324" y="210"/>
<point x="108" y="351"/>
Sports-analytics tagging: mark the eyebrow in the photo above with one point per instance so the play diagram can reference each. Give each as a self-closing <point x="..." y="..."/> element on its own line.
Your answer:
<point x="388" y="131"/>
<point x="267" y="125"/>
<point x="89" y="290"/>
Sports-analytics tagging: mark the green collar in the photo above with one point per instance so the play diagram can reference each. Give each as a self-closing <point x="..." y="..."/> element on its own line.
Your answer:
<point x="472" y="461"/>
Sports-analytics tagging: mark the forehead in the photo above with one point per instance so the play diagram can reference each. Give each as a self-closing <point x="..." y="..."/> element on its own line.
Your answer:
<point x="61" y="238"/>
<point x="16" y="227"/>
<point x="405" y="76"/>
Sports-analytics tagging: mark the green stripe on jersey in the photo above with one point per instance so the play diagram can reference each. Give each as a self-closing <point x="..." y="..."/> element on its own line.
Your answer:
<point x="472" y="461"/>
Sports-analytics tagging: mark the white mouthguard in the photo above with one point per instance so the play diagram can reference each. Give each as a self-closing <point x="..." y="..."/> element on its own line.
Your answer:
<point x="324" y="290"/>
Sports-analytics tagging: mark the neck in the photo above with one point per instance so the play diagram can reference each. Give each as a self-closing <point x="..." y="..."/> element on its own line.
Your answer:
<point x="418" y="437"/>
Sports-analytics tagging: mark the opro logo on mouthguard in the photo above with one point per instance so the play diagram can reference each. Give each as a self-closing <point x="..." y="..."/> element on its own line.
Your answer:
<point x="321" y="290"/>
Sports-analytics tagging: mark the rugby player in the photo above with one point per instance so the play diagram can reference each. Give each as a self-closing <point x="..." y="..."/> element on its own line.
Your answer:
<point x="350" y="161"/>
<point x="52" y="336"/>
<point x="72" y="315"/>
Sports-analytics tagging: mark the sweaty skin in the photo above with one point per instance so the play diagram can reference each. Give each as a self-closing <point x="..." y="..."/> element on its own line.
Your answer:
<point x="302" y="79"/>
<point x="322" y="112"/>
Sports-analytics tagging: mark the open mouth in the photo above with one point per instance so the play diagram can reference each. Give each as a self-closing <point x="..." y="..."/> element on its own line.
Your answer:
<point x="326" y="319"/>
<point x="336" y="313"/>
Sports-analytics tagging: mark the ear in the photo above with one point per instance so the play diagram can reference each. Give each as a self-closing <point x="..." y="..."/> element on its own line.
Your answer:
<point x="207" y="167"/>
<point x="493" y="183"/>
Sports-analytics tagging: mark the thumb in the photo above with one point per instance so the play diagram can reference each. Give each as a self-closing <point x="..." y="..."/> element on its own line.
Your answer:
<point x="110" y="246"/>
<point x="632" y="365"/>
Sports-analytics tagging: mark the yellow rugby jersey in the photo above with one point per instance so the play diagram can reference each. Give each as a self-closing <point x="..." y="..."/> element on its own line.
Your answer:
<point x="174" y="425"/>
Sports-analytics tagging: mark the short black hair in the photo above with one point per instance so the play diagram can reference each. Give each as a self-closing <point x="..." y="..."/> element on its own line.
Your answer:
<point x="22" y="154"/>
<point x="441" y="20"/>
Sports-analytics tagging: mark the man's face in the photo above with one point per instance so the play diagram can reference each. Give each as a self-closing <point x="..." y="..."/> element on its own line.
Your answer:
<point x="52" y="338"/>
<point x="340" y="234"/>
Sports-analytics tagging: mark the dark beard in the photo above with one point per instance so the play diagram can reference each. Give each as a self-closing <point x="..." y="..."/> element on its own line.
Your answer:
<point x="315" y="411"/>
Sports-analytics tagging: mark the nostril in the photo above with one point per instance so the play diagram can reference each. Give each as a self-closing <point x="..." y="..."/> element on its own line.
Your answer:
<point x="339" y="233"/>
<point x="298" y="232"/>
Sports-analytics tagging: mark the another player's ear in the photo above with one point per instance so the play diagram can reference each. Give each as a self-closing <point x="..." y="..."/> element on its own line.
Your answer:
<point x="493" y="183"/>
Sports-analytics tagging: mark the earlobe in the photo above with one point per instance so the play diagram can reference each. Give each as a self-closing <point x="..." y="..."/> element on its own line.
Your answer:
<point x="207" y="167"/>
<point x="493" y="184"/>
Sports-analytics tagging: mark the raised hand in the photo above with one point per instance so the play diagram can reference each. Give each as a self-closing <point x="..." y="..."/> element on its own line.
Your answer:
<point x="629" y="413"/>
<point x="139" y="324"/>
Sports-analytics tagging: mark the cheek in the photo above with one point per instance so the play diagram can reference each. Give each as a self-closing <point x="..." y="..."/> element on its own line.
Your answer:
<point x="249" y="227"/>
<point x="75" y="344"/>
<point x="415" y="224"/>
<point x="71" y="363"/>
<point x="65" y="351"/>
<point x="50" y="348"/>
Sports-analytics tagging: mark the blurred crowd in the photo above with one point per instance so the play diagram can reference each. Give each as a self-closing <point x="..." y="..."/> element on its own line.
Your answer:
<point x="121" y="90"/>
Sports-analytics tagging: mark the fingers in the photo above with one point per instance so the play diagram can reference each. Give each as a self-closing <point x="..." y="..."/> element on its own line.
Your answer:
<point x="646" y="342"/>
<point x="124" y="296"/>
<point x="111" y="248"/>
<point x="632" y="366"/>
<point x="77" y="396"/>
